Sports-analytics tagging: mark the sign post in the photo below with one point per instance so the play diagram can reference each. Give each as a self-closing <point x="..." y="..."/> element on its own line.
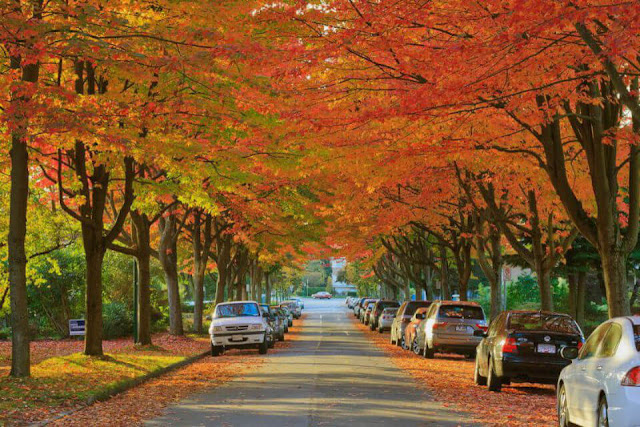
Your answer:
<point x="76" y="327"/>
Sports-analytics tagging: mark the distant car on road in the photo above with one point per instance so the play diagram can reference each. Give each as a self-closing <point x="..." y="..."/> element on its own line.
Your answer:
<point x="287" y="311"/>
<point x="294" y="307"/>
<point x="366" y="309"/>
<point x="403" y="317"/>
<point x="410" y="338"/>
<point x="525" y="346"/>
<point x="386" y="319"/>
<point x="238" y="324"/>
<point x="450" y="327"/>
<point x="602" y="384"/>
<point x="358" y="305"/>
<point x="377" y="311"/>
<point x="321" y="295"/>
<point x="275" y="322"/>
<point x="282" y="315"/>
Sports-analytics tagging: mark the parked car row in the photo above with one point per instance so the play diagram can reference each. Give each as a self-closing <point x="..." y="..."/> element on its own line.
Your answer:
<point x="247" y="324"/>
<point x="597" y="381"/>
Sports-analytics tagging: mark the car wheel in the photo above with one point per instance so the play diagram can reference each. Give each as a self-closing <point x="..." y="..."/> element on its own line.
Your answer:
<point x="563" y="408"/>
<point x="493" y="381"/>
<point x="603" y="413"/>
<point x="372" y="327"/>
<point x="263" y="348"/>
<point x="282" y="337"/>
<point x="272" y="343"/>
<point x="403" y="344"/>
<point x="477" y="378"/>
<point x="290" y="323"/>
<point x="216" y="350"/>
<point x="380" y="330"/>
<point x="428" y="352"/>
<point x="414" y="346"/>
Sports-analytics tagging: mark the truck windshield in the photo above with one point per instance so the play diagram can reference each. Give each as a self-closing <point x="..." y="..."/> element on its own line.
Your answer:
<point x="238" y="310"/>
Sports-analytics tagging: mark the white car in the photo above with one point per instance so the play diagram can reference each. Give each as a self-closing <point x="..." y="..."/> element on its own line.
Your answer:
<point x="238" y="324"/>
<point x="601" y="387"/>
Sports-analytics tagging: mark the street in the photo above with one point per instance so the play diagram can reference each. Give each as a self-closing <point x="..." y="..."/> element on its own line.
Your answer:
<point x="331" y="376"/>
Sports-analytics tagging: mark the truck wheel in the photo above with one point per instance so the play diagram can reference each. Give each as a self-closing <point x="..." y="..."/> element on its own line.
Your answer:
<point x="216" y="350"/>
<point x="263" y="347"/>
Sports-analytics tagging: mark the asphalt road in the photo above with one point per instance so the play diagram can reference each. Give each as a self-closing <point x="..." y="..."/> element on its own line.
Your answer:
<point x="332" y="377"/>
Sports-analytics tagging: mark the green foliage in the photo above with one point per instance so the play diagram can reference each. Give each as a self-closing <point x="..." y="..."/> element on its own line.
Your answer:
<point x="5" y="333"/>
<point x="117" y="320"/>
<point x="366" y="283"/>
<point x="524" y="294"/>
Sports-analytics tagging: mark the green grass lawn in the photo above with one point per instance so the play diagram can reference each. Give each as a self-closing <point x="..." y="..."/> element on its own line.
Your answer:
<point x="61" y="383"/>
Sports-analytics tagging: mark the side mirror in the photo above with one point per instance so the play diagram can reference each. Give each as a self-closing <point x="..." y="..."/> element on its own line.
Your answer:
<point x="480" y="333"/>
<point x="569" y="353"/>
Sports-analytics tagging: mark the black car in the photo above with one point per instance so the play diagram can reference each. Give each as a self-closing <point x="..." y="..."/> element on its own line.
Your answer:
<point x="377" y="311"/>
<point x="524" y="346"/>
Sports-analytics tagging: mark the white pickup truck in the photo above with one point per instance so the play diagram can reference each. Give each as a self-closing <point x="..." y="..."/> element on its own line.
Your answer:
<point x="238" y="324"/>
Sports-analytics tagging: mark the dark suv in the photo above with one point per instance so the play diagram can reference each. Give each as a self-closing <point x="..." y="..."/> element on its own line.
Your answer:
<point x="403" y="317"/>
<point x="525" y="346"/>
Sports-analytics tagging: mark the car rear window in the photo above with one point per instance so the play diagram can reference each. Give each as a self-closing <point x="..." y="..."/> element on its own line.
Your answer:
<point x="636" y="336"/>
<point x="543" y="322"/>
<point x="384" y="305"/>
<point x="460" y="312"/>
<point x="414" y="305"/>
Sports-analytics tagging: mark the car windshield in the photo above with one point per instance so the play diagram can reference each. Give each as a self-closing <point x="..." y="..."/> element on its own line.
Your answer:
<point x="543" y="322"/>
<point x="238" y="310"/>
<point x="385" y="304"/>
<point x="414" y="305"/>
<point x="460" y="312"/>
<point x="636" y="336"/>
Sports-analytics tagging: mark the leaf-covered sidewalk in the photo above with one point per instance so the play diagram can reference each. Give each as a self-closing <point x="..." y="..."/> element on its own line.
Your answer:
<point x="63" y="379"/>
<point x="149" y="399"/>
<point x="450" y="379"/>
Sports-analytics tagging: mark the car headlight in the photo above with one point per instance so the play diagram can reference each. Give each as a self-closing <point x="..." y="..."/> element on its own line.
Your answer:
<point x="255" y="327"/>
<point x="217" y="329"/>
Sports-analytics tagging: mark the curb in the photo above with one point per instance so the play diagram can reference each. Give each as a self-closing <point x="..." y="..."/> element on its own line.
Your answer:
<point x="124" y="386"/>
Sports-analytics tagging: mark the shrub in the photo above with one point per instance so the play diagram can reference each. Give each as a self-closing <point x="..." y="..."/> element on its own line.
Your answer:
<point x="5" y="333"/>
<point x="117" y="320"/>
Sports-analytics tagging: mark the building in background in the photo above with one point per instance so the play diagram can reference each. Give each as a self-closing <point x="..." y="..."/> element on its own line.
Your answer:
<point x="340" y="288"/>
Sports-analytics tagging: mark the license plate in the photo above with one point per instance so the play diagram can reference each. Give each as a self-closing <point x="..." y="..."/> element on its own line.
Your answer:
<point x="461" y="329"/>
<point x="547" y="348"/>
<point x="236" y="337"/>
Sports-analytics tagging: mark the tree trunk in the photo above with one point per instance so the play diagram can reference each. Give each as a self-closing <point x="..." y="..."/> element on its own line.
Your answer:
<point x="544" y="285"/>
<point x="20" y="352"/>
<point x="444" y="274"/>
<point x="267" y="282"/>
<point x="142" y="238"/>
<point x="168" y="254"/>
<point x="17" y="259"/>
<point x="581" y="297"/>
<point x="614" y="270"/>
<point x="144" y="299"/>
<point x="220" y="285"/>
<point x="93" y="321"/>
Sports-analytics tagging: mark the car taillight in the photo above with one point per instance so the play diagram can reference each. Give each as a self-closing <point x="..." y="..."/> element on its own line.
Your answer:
<point x="632" y="379"/>
<point x="580" y="344"/>
<point x="509" y="346"/>
<point x="482" y="327"/>
<point x="439" y="325"/>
